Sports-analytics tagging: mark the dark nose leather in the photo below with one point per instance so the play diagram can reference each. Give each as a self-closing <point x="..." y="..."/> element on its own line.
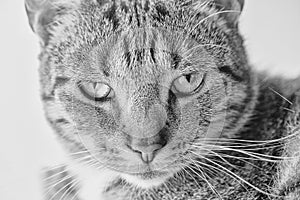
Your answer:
<point x="148" y="147"/>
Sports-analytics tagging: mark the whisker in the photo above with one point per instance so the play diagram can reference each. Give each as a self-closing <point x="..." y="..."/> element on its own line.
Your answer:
<point x="79" y="152"/>
<point x="281" y="96"/>
<point x="155" y="195"/>
<point x="186" y="171"/>
<point x="73" y="185"/>
<point x="185" y="55"/>
<point x="75" y="195"/>
<point x="259" y="156"/>
<point x="49" y="188"/>
<point x="224" y="160"/>
<point x="60" y="181"/>
<point x="260" y="148"/>
<point x="167" y="187"/>
<point x="93" y="163"/>
<point x="53" y="168"/>
<point x="204" y="178"/>
<point x="194" y="171"/>
<point x="243" y="180"/>
<point x="203" y="4"/>
<point x="222" y="155"/>
<point x="290" y="110"/>
<point x="61" y="189"/>
<point x="80" y="159"/>
<point x="258" y="142"/>
<point x="54" y="183"/>
<point x="66" y="168"/>
<point x="241" y="144"/>
<point x="220" y="170"/>
<point x="56" y="174"/>
<point x="249" y="148"/>
<point x="212" y="15"/>
<point x="241" y="159"/>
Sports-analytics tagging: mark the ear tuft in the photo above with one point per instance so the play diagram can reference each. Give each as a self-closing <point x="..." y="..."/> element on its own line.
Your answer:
<point x="232" y="9"/>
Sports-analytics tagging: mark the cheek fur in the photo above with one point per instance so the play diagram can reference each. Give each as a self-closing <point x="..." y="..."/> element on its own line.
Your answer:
<point x="88" y="117"/>
<point x="194" y="117"/>
<point x="197" y="113"/>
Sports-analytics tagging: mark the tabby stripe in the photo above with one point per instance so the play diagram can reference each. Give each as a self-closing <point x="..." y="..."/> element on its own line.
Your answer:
<point x="113" y="185"/>
<point x="241" y="107"/>
<point x="46" y="97"/>
<point x="60" y="132"/>
<point x="228" y="71"/>
<point x="58" y="121"/>
<point x="60" y="81"/>
<point x="152" y="54"/>
<point x="61" y="121"/>
<point x="128" y="59"/>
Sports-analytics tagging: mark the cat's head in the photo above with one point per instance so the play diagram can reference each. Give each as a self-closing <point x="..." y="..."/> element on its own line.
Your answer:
<point x="142" y="87"/>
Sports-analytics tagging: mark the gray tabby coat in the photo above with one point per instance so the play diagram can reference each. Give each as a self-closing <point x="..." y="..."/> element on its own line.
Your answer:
<point x="157" y="100"/>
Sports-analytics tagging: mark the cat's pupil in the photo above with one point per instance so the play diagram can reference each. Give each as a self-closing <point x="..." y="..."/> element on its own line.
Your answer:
<point x="95" y="85"/>
<point x="188" y="77"/>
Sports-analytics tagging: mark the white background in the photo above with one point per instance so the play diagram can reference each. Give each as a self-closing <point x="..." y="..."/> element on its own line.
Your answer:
<point x="271" y="29"/>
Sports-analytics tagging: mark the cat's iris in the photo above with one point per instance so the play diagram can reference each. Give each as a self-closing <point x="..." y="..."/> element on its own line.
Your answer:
<point x="188" y="84"/>
<point x="96" y="91"/>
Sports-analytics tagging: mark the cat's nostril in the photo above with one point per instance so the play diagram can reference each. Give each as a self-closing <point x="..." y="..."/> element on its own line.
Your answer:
<point x="147" y="152"/>
<point x="148" y="147"/>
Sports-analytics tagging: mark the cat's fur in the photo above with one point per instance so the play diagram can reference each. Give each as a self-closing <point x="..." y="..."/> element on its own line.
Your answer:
<point x="236" y="138"/>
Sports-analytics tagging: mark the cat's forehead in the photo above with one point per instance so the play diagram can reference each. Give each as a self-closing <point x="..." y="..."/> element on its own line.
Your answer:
<point x="142" y="54"/>
<point x="124" y="50"/>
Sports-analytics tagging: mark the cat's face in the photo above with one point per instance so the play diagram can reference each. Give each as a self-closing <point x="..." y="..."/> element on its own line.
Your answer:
<point x="139" y="86"/>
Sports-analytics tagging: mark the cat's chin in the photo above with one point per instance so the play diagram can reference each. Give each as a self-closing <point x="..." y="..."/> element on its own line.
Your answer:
<point x="146" y="180"/>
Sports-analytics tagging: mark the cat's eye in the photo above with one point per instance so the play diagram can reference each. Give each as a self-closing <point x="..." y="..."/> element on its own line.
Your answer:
<point x="188" y="84"/>
<point x="96" y="91"/>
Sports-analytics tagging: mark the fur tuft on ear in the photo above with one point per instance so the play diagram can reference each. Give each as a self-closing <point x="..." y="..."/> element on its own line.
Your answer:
<point x="230" y="10"/>
<point x="41" y="14"/>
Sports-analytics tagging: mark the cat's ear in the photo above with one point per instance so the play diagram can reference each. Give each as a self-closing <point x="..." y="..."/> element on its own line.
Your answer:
<point x="41" y="14"/>
<point x="231" y="9"/>
<point x="228" y="9"/>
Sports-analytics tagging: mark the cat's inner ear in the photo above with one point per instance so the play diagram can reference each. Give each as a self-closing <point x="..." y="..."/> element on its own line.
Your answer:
<point x="229" y="9"/>
<point x="232" y="9"/>
<point x="41" y="14"/>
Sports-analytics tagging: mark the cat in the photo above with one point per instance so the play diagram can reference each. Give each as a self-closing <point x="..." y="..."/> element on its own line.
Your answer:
<point x="157" y="100"/>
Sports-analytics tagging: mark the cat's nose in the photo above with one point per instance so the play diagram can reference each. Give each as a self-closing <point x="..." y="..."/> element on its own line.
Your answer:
<point x="149" y="147"/>
<point x="147" y="152"/>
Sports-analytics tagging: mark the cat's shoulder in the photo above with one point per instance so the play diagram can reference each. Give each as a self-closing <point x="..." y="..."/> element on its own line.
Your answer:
<point x="283" y="94"/>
